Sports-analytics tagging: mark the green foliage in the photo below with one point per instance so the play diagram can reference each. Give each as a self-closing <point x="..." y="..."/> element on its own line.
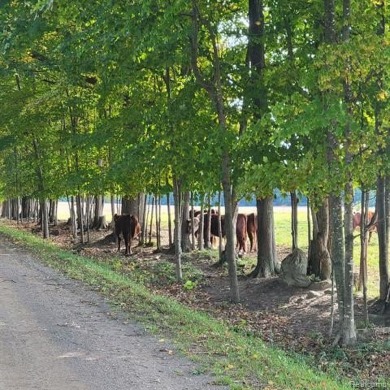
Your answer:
<point x="114" y="82"/>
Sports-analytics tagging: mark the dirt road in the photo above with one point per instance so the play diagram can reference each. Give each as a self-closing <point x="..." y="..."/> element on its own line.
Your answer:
<point x="55" y="334"/>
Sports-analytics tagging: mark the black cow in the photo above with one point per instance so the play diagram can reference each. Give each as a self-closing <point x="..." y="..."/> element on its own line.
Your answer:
<point x="128" y="227"/>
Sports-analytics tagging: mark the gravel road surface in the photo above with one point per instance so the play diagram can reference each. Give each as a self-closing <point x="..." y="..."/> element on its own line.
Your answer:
<point x="56" y="334"/>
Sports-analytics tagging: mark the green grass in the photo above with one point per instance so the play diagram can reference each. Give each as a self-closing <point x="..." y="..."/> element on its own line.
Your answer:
<point x="238" y="360"/>
<point x="282" y="218"/>
<point x="283" y="238"/>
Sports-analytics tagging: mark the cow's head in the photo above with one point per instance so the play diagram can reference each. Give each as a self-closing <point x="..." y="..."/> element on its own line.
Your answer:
<point x="193" y="227"/>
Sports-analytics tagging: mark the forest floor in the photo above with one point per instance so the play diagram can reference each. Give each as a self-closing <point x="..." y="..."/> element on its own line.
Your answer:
<point x="295" y="319"/>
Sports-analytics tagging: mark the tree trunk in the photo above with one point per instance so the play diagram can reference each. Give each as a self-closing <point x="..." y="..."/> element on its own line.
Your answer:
<point x="185" y="238"/>
<point x="294" y="219"/>
<point x="80" y="217"/>
<point x="53" y="208"/>
<point x="177" y="231"/>
<point x="44" y="218"/>
<point x="99" y="222"/>
<point x="319" y="257"/>
<point x="230" y="212"/>
<point x="266" y="254"/>
<point x="363" y="249"/>
<point x="73" y="216"/>
<point x="214" y="89"/>
<point x="113" y="210"/>
<point x="342" y="268"/>
<point x="382" y="208"/>
<point x="169" y="221"/>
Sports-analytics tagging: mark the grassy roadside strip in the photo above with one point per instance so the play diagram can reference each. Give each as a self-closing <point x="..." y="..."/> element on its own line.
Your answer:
<point x="237" y="360"/>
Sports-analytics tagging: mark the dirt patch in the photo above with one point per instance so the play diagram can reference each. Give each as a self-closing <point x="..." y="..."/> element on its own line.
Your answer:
<point x="296" y="319"/>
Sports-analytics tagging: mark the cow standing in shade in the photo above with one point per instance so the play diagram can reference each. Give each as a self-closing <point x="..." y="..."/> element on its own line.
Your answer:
<point x="251" y="228"/>
<point x="241" y="228"/>
<point x="372" y="222"/>
<point x="126" y="227"/>
<point x="241" y="232"/>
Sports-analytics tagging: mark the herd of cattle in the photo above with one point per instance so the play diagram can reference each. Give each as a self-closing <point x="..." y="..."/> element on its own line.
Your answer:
<point x="129" y="228"/>
<point x="246" y="227"/>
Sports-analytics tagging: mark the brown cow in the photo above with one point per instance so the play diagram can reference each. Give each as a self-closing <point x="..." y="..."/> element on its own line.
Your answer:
<point x="251" y="228"/>
<point x="128" y="227"/>
<point x="197" y="219"/>
<point x="241" y="228"/>
<point x="241" y="232"/>
<point x="372" y="222"/>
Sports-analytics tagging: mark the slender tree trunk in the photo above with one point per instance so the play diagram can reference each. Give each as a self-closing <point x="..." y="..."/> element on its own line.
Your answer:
<point x="169" y="221"/>
<point x="73" y="216"/>
<point x="383" y="180"/>
<point x="177" y="231"/>
<point x="145" y="210"/>
<point x="80" y="219"/>
<point x="185" y="238"/>
<point x="382" y="208"/>
<point x="158" y="222"/>
<point x="153" y="202"/>
<point x="363" y="250"/>
<point x="201" y="232"/>
<point x="214" y="89"/>
<point x="294" y="219"/>
<point x="112" y="204"/>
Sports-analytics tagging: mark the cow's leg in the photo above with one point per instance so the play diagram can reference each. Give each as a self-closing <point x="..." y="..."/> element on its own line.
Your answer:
<point x="118" y="239"/>
<point x="130" y="243"/>
<point x="126" y="238"/>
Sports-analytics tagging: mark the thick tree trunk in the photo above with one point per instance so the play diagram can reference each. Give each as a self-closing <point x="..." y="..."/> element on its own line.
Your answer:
<point x="44" y="218"/>
<point x="98" y="214"/>
<point x="319" y="257"/>
<point x="53" y="208"/>
<point x="266" y="255"/>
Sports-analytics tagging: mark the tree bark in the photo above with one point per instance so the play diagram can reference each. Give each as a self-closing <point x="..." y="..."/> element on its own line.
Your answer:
<point x="177" y="231"/>
<point x="44" y="218"/>
<point x="266" y="255"/>
<point x="185" y="238"/>
<point x="294" y="219"/>
<point x="319" y="257"/>
<point x="382" y="208"/>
